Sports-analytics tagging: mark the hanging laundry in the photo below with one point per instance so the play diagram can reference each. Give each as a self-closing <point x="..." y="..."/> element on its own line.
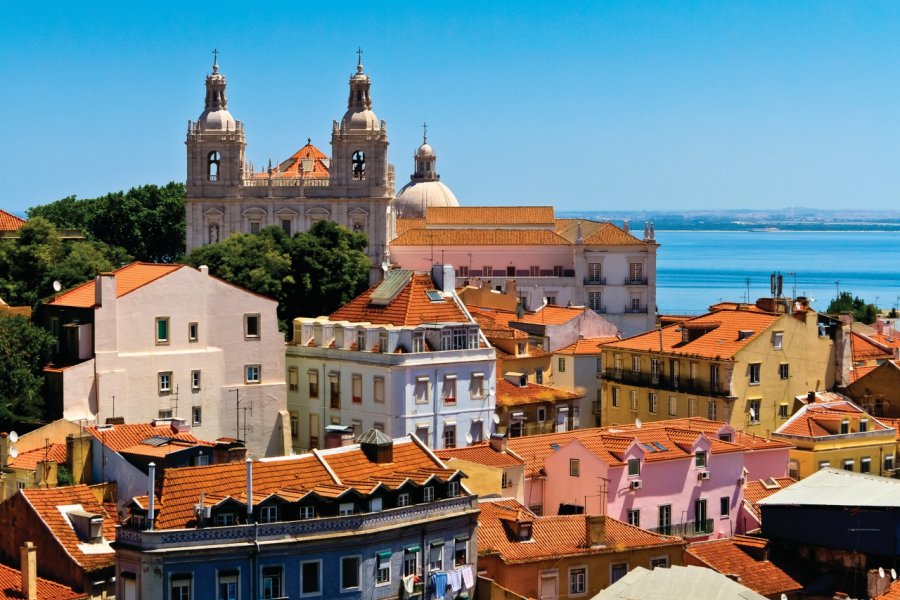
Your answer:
<point x="455" y="579"/>
<point x="468" y="580"/>
<point x="439" y="584"/>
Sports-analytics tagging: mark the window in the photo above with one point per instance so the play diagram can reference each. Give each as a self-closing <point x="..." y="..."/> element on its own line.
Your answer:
<point x="651" y="402"/>
<point x="477" y="385"/>
<point x="574" y="467"/>
<point x="162" y="330"/>
<point x="356" y="388"/>
<point x="595" y="301"/>
<point x="378" y="426"/>
<point x="714" y="378"/>
<point x="313" y="384"/>
<point x="436" y="556"/>
<point x="634" y="467"/>
<point x="692" y="407"/>
<point x="784" y="370"/>
<point x="510" y="271"/>
<point x="359" y="165"/>
<point x="307" y="512"/>
<point x="251" y="326"/>
<point x="724" y="506"/>
<point x="452" y="489"/>
<point x="700" y="459"/>
<point x="614" y="397"/>
<point x="824" y="463"/>
<point x="541" y="414"/>
<point x="777" y="339"/>
<point x="334" y="390"/>
<point x="383" y="342"/>
<point x="659" y="562"/>
<point x="212" y="166"/>
<point x="350" y="576"/>
<point x="654" y="370"/>
<point x="865" y="465"/>
<point x="505" y="480"/>
<point x="195" y="380"/>
<point x="845" y="426"/>
<point x="754" y="373"/>
<point x="617" y="571"/>
<point x="181" y="587"/>
<point x="224" y="519"/>
<point x="421" y="390"/>
<point x="753" y="412"/>
<point x="272" y="583"/>
<point x="403" y="499"/>
<point x="562" y="365"/>
<point x="346" y="508"/>
<point x="848" y="464"/>
<point x="356" y="424"/>
<point x="293" y="379"/>
<point x="888" y="463"/>
<point x="192" y="332"/>
<point x="422" y="434"/>
<point x="863" y="425"/>
<point x="460" y="551"/>
<point x="418" y="342"/>
<point x="164" y="413"/>
<point x="448" y="390"/>
<point x="635" y="364"/>
<point x="782" y="411"/>
<point x="268" y="514"/>
<point x="361" y="340"/>
<point x="295" y="423"/>
<point x="487" y="271"/>
<point x="557" y="272"/>
<point x="577" y="580"/>
<point x="252" y="374"/>
<point x="539" y="376"/>
<point x="700" y="516"/>
<point x="476" y="430"/>
<point x="665" y="519"/>
<point x="311" y="578"/>
<point x="196" y="415"/>
<point x="228" y="585"/>
<point x="673" y="405"/>
<point x="450" y="436"/>
<point x="411" y="560"/>
<point x="463" y="271"/>
<point x="635" y="271"/>
<point x="712" y="410"/>
<point x="793" y="469"/>
<point x="634" y="517"/>
<point x="428" y="493"/>
<point x="165" y="382"/>
<point x="595" y="272"/>
<point x="378" y="389"/>
<point x="634" y="400"/>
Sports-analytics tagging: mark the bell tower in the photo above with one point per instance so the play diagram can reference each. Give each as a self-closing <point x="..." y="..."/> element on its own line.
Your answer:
<point x="215" y="144"/>
<point x="359" y="165"/>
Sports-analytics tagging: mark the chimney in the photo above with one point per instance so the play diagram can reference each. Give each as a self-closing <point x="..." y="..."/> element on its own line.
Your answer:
<point x="104" y="288"/>
<point x="151" y="495"/>
<point x="595" y="526"/>
<point x="29" y="571"/>
<point x="498" y="442"/>
<point x="511" y="287"/>
<point x="204" y="269"/>
<point x="249" y="490"/>
<point x="811" y="398"/>
<point x="444" y="277"/>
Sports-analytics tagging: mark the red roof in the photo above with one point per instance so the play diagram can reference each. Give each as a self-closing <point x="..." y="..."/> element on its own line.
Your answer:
<point x="587" y="346"/>
<point x="510" y="394"/>
<point x="756" y="490"/>
<point x="479" y="237"/>
<point x="864" y="348"/>
<point x="28" y="461"/>
<point x="45" y="503"/>
<point x="482" y="454"/>
<point x="490" y="215"/>
<point x="892" y="593"/>
<point x="11" y="586"/>
<point x="294" y="166"/>
<point x="555" y="537"/>
<point x="738" y="556"/>
<point x="130" y="437"/>
<point x="10" y="222"/>
<point x="824" y="419"/>
<point x="128" y="279"/>
<point x="410" y="307"/>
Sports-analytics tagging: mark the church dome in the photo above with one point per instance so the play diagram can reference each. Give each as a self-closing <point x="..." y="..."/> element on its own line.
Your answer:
<point x="425" y="151"/>
<point x="362" y="119"/>
<point x="217" y="120"/>
<point x="417" y="196"/>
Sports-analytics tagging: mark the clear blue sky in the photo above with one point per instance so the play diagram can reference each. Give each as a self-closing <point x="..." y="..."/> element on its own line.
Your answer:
<point x="592" y="106"/>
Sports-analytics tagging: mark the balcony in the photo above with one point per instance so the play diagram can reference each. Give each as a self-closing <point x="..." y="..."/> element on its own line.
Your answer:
<point x="656" y="382"/>
<point x="595" y="281"/>
<point x="635" y="281"/>
<point x="635" y="310"/>
<point x="690" y="529"/>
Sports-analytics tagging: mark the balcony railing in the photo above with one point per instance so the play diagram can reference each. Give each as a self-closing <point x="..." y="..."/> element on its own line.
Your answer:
<point x="635" y="310"/>
<point x="686" y="530"/>
<point x="635" y="281"/>
<point x="656" y="382"/>
<point x="595" y="281"/>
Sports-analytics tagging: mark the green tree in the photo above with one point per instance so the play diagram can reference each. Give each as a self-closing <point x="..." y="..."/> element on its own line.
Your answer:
<point x="24" y="350"/>
<point x="847" y="302"/>
<point x="147" y="221"/>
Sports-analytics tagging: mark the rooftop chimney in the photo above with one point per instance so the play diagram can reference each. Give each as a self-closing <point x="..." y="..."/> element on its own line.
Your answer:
<point x="104" y="288"/>
<point x="28" y="558"/>
<point x="444" y="278"/>
<point x="595" y="533"/>
<point x="498" y="442"/>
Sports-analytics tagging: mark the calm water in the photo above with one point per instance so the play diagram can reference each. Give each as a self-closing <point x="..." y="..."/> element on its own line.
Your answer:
<point x="699" y="268"/>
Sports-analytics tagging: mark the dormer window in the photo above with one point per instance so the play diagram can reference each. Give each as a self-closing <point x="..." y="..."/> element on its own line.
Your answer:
<point x="700" y="459"/>
<point x="524" y="532"/>
<point x="361" y="340"/>
<point x="634" y="467"/>
<point x="418" y="342"/>
<point x="863" y="425"/>
<point x="383" y="341"/>
<point x="845" y="426"/>
<point x="428" y="493"/>
<point x="224" y="519"/>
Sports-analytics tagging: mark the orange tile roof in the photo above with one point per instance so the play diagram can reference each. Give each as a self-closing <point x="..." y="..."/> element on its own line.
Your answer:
<point x="748" y="441"/>
<point x="497" y="330"/>
<point x="292" y="167"/>
<point x="411" y="307"/>
<point x="729" y="557"/>
<point x="532" y="350"/>
<point x="742" y="306"/>
<point x="720" y="342"/>
<point x="28" y="461"/>
<point x="857" y="372"/>
<point x="587" y="346"/>
<point x="11" y="586"/>
<point x="509" y="394"/>
<point x="490" y="215"/>
<point x="887" y="341"/>
<point x="892" y="593"/>
<point x="482" y="454"/>
<point x="891" y="422"/>
<point x="610" y="235"/>
<point x="550" y="315"/>
<point x="863" y="348"/>
<point x="404" y="225"/>
<point x="9" y="221"/>
<point x="554" y="537"/>
<point x="811" y="420"/>
<point x="44" y="502"/>
<point x="756" y="490"/>
<point x="479" y="237"/>
<point x="128" y="279"/>
<point x="129" y="437"/>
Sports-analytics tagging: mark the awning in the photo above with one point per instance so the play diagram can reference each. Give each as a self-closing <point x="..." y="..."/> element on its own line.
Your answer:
<point x="385" y="555"/>
<point x="437" y="543"/>
<point x="412" y="549"/>
<point x="450" y="376"/>
<point x="517" y="416"/>
<point x="422" y="378"/>
<point x="462" y="538"/>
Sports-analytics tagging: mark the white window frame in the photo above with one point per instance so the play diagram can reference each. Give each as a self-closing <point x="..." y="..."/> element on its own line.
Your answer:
<point x="307" y="512"/>
<point x="778" y="340"/>
<point x="439" y="564"/>
<point x="428" y="493"/>
<point x="404" y="499"/>
<point x="196" y="415"/>
<point x="319" y="583"/>
<point x="268" y="514"/>
<point x="193" y="331"/>
<point x="359" y="562"/>
<point x="188" y="578"/>
<point x="378" y="389"/>
<point x="657" y="559"/>
<point x="293" y="379"/>
<point x="164" y="382"/>
<point x="453" y="489"/>
<point x="195" y="380"/>
<point x="754" y="373"/>
<point x="576" y="587"/>
<point x="346" y="509"/>
<point x="247" y="318"/>
<point x="162" y="341"/>
<point x="252" y="374"/>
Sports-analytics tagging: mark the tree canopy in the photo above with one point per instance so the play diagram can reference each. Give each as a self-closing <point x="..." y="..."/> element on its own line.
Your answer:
<point x="24" y="349"/>
<point x="30" y="263"/>
<point x="847" y="302"/>
<point x="147" y="221"/>
<point x="312" y="273"/>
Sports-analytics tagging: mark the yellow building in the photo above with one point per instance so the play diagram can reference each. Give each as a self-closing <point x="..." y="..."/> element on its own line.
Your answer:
<point x="491" y="469"/>
<point x="740" y="363"/>
<point x="835" y="432"/>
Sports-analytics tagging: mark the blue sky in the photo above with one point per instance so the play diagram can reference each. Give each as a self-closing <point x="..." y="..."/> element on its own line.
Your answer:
<point x="587" y="106"/>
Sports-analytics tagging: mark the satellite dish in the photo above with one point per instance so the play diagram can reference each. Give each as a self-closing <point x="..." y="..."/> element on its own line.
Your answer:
<point x="893" y="574"/>
<point x="57" y="286"/>
<point x="13" y="437"/>
<point x="385" y="266"/>
<point x="784" y="597"/>
<point x="496" y="418"/>
<point x="881" y="572"/>
<point x="638" y="423"/>
<point x="13" y="452"/>
<point x="469" y="438"/>
<point x="752" y="414"/>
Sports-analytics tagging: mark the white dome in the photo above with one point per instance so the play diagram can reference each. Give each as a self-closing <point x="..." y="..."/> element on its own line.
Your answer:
<point x="417" y="196"/>
<point x="216" y="120"/>
<point x="363" y="119"/>
<point x="425" y="151"/>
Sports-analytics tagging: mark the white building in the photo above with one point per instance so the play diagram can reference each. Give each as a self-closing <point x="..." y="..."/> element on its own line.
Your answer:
<point x="403" y="357"/>
<point x="161" y="341"/>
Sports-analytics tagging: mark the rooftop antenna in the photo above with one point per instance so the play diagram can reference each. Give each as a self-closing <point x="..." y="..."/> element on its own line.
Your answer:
<point x="747" y="282"/>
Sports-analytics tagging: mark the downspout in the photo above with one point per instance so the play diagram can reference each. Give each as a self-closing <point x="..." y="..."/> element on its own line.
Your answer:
<point x="435" y="404"/>
<point x="249" y="462"/>
<point x="152" y="494"/>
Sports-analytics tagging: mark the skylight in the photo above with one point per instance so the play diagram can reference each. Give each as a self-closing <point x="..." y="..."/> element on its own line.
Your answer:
<point x="434" y="295"/>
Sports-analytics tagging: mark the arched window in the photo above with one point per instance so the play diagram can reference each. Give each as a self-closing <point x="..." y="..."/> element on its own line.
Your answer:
<point x="359" y="165"/>
<point x="212" y="166"/>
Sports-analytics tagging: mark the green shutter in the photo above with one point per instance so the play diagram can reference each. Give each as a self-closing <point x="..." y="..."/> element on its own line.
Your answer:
<point x="385" y="555"/>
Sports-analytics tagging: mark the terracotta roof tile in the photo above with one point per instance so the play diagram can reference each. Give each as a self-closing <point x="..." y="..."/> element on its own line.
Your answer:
<point x="863" y="348"/>
<point x="587" y="346"/>
<point x="44" y="502"/>
<point x="722" y="340"/>
<point x="823" y="419"/>
<point x="748" y="441"/>
<point x="10" y="222"/>
<point x="128" y="279"/>
<point x="292" y="167"/>
<point x="742" y="306"/>
<point x="509" y="394"/>
<point x="29" y="460"/>
<point x="411" y="307"/>
<point x="481" y="454"/>
<point x="729" y="557"/>
<point x="887" y="341"/>
<point x="857" y="372"/>
<point x="11" y="587"/>
<point x="479" y="237"/>
<point x="555" y="536"/>
<point x="550" y="315"/>
<point x="129" y="437"/>
<point x="892" y="593"/>
<point x="756" y="490"/>
<point x="490" y="215"/>
<point x="404" y="225"/>
<point x="610" y="235"/>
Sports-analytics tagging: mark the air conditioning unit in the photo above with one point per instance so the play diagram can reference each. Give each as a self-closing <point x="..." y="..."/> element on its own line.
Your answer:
<point x="636" y="484"/>
<point x="702" y="475"/>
